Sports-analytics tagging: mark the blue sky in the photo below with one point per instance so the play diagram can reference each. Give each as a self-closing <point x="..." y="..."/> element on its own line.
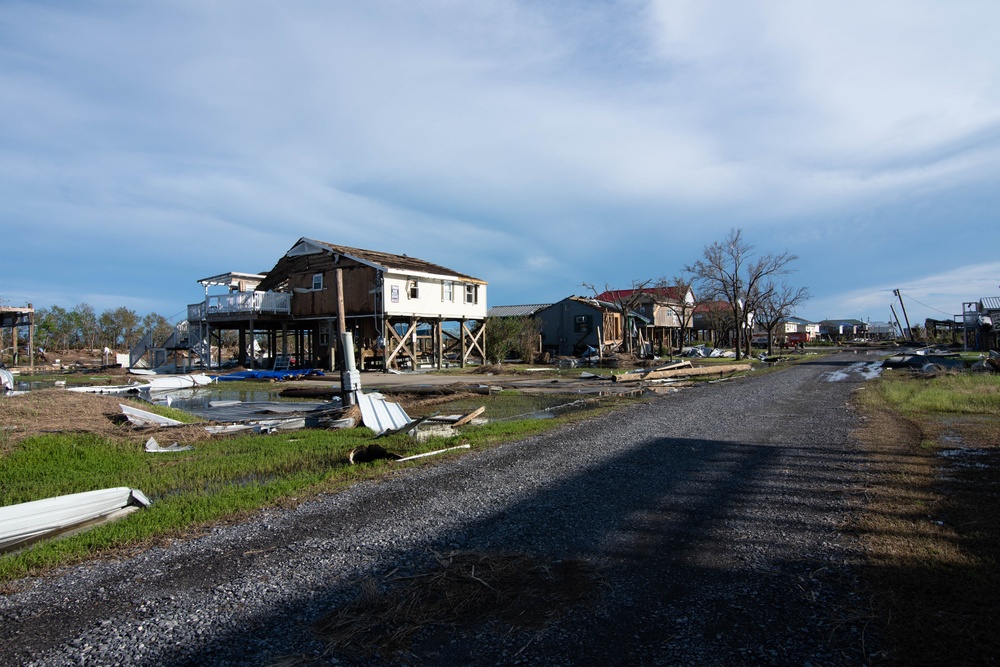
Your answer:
<point x="537" y="144"/>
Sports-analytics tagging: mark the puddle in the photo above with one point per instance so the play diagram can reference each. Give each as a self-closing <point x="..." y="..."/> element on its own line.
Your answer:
<point x="230" y="405"/>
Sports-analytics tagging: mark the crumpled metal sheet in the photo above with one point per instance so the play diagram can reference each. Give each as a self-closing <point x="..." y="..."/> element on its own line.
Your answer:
<point x="379" y="414"/>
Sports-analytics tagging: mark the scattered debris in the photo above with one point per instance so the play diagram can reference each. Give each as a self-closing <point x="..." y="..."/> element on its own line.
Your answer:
<point x="434" y="453"/>
<point x="145" y="418"/>
<point x="153" y="446"/>
<point x="407" y="428"/>
<point x="469" y="417"/>
<point x="443" y="390"/>
<point x="369" y="453"/>
<point x="6" y="380"/>
<point x="268" y="375"/>
<point x="171" y="382"/>
<point x="107" y="389"/>
<point x="26" y="523"/>
<point x="926" y="363"/>
<point x="380" y="415"/>
<point x="681" y="372"/>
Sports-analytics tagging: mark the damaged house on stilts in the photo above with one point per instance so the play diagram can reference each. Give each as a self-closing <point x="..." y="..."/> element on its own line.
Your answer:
<point x="403" y="312"/>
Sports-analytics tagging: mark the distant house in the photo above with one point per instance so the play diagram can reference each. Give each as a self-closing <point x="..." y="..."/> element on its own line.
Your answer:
<point x="841" y="330"/>
<point x="662" y="307"/>
<point x="401" y="310"/>
<point x="881" y="331"/>
<point x="790" y="331"/>
<point x="571" y="326"/>
<point x="982" y="325"/>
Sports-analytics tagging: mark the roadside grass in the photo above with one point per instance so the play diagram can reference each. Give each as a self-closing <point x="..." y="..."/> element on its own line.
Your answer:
<point x="932" y="520"/>
<point x="221" y="480"/>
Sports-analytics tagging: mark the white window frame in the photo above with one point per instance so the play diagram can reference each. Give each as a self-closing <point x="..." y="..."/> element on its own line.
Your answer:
<point x="317" y="284"/>
<point x="472" y="294"/>
<point x="447" y="291"/>
<point x="412" y="289"/>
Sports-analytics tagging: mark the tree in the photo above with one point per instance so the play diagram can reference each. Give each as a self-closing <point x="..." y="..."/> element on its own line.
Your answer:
<point x="118" y="327"/>
<point x="82" y="327"/>
<point x="777" y="307"/>
<point x="161" y="328"/>
<point x="681" y="307"/>
<point x="626" y="301"/>
<point x="733" y="270"/>
<point x="511" y="334"/>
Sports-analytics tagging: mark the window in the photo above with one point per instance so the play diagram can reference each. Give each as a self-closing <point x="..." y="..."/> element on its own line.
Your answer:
<point x="394" y="293"/>
<point x="582" y="324"/>
<point x="471" y="294"/>
<point x="412" y="290"/>
<point x="317" y="282"/>
<point x="447" y="291"/>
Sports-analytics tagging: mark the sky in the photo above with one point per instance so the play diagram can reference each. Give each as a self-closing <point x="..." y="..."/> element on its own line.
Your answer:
<point x="535" y="144"/>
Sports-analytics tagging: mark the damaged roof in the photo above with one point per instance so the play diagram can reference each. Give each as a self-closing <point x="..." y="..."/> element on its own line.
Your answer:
<point x="384" y="260"/>
<point x="670" y="293"/>
<point x="990" y="303"/>
<point x="517" y="311"/>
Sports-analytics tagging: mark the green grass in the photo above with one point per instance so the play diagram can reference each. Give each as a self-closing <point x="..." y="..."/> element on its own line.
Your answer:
<point x="219" y="480"/>
<point x="931" y="526"/>
<point x="962" y="393"/>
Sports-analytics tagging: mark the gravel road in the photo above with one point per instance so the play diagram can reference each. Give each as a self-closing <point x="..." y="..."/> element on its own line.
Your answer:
<point x="711" y="521"/>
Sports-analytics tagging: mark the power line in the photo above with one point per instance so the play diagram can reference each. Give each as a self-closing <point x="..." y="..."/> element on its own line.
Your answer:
<point x="926" y="306"/>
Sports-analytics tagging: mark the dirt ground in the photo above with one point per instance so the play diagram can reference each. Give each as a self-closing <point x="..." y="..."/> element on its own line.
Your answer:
<point x="58" y="410"/>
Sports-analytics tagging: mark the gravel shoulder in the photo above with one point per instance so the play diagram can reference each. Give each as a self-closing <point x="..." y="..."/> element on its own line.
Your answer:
<point x="716" y="519"/>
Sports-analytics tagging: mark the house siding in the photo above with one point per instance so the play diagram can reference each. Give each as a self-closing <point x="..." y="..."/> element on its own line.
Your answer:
<point x="430" y="301"/>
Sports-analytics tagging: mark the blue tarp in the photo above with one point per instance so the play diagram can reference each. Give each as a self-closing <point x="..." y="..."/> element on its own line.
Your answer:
<point x="267" y="375"/>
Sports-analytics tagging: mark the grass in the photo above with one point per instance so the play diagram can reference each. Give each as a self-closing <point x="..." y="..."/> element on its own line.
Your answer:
<point x="932" y="523"/>
<point x="221" y="479"/>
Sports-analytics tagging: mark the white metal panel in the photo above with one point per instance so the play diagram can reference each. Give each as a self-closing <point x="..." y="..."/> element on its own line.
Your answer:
<point x="379" y="414"/>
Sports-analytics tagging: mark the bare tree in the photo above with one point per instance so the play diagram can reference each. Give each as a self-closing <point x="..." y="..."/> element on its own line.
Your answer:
<point x="678" y="288"/>
<point x="626" y="301"/>
<point x="733" y="270"/>
<point x="781" y="301"/>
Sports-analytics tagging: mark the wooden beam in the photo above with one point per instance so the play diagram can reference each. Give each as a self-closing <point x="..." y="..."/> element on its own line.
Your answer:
<point x="474" y="340"/>
<point x="401" y="343"/>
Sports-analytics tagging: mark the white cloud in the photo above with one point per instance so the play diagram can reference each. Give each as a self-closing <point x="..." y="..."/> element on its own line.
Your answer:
<point x="533" y="145"/>
<point x="937" y="296"/>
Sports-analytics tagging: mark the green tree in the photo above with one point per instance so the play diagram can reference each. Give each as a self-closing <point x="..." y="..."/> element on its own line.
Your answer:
<point x="85" y="327"/>
<point x="161" y="328"/>
<point x="511" y="334"/>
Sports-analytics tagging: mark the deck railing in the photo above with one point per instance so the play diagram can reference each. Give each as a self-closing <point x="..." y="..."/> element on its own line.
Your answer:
<point x="241" y="303"/>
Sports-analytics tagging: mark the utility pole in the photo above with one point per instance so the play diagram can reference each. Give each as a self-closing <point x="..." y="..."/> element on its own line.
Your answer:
<point x="909" y="331"/>
<point x="898" y="325"/>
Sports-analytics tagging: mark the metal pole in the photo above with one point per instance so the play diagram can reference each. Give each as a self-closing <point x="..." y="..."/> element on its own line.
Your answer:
<point x="350" y="378"/>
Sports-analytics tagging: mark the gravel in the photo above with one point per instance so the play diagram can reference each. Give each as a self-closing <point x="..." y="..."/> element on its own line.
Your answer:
<point x="715" y="517"/>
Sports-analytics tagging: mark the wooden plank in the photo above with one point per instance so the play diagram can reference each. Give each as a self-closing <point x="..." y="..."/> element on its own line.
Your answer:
<point x="681" y="372"/>
<point x="469" y="417"/>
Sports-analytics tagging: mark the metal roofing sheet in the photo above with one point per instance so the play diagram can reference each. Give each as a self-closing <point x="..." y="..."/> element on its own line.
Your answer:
<point x="379" y="414"/>
<point x="517" y="311"/>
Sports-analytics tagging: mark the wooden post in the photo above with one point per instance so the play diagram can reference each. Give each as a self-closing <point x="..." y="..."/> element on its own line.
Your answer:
<point x="439" y="334"/>
<point x="243" y="347"/>
<point x="330" y="340"/>
<point x="31" y="339"/>
<point x="462" y="336"/>
<point x="341" y="318"/>
<point x="253" y="347"/>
